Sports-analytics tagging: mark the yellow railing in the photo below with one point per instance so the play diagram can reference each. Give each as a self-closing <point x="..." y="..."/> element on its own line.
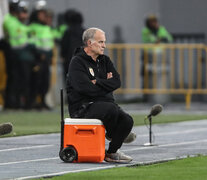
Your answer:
<point x="161" y="69"/>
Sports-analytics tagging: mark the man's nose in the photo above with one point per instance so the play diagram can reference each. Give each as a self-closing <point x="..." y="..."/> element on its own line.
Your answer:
<point x="104" y="45"/>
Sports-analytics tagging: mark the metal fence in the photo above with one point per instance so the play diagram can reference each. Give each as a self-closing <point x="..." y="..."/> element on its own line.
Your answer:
<point x="161" y="69"/>
<point x="155" y="69"/>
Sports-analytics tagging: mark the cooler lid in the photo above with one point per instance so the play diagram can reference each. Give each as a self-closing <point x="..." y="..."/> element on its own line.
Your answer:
<point x="77" y="121"/>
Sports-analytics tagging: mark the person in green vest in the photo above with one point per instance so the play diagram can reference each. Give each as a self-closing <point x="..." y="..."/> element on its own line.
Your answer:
<point x="57" y="31"/>
<point x="155" y="33"/>
<point x="9" y="23"/>
<point x="21" y="56"/>
<point x="43" y="36"/>
<point x="20" y="60"/>
<point x="25" y="54"/>
<point x="40" y="34"/>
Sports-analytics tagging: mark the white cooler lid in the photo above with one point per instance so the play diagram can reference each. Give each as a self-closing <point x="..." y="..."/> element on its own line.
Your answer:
<point x="77" y="121"/>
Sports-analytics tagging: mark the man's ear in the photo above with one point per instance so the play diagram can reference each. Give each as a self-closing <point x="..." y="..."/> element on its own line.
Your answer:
<point x="89" y="43"/>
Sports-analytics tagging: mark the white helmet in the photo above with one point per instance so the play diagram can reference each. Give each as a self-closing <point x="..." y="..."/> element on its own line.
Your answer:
<point x="40" y="4"/>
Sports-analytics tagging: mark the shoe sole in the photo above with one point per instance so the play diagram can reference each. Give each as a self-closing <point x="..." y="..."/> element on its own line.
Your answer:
<point x="117" y="161"/>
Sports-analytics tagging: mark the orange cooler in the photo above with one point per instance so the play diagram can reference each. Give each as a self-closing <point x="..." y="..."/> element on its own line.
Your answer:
<point x="85" y="138"/>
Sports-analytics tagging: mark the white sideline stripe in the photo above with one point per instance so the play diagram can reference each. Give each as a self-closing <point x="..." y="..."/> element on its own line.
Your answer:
<point x="166" y="145"/>
<point x="65" y="172"/>
<point x="24" y="148"/>
<point x="27" y="161"/>
<point x="28" y="136"/>
<point x="95" y="168"/>
<point x="141" y="135"/>
<point x="111" y="166"/>
<point x="101" y="168"/>
<point x="175" y="132"/>
<point x="134" y="149"/>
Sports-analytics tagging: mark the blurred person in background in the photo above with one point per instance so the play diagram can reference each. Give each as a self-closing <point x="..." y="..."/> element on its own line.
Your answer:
<point x="43" y="36"/>
<point x="56" y="35"/>
<point x="26" y="57"/>
<point x="72" y="37"/>
<point x="155" y="33"/>
<point x="10" y="23"/>
<point x="20" y="60"/>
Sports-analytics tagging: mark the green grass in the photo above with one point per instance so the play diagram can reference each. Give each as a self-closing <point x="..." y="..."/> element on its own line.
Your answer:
<point x="168" y="118"/>
<point x="34" y="122"/>
<point x="185" y="169"/>
<point x="31" y="122"/>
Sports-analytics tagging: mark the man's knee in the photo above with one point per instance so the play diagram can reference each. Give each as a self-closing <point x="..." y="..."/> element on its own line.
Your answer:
<point x="128" y="122"/>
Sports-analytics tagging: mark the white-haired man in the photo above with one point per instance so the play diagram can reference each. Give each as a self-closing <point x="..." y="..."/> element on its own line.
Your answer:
<point x="91" y="81"/>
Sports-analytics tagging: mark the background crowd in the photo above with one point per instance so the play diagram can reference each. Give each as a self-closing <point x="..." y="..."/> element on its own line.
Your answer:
<point x="30" y="38"/>
<point x="28" y="46"/>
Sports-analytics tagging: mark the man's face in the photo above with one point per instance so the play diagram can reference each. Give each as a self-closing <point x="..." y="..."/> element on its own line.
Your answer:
<point x="98" y="43"/>
<point x="42" y="17"/>
<point x="49" y="20"/>
<point x="154" y="24"/>
<point x="22" y="16"/>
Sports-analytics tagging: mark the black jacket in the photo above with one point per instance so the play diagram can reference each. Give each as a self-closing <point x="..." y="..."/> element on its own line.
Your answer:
<point x="82" y="70"/>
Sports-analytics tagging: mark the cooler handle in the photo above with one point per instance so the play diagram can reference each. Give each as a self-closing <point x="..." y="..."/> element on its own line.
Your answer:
<point x="85" y="130"/>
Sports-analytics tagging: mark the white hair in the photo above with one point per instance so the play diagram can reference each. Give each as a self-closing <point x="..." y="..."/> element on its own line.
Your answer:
<point x="89" y="33"/>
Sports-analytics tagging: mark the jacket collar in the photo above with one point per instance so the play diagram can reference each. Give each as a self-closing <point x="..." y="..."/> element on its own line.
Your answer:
<point x="80" y="52"/>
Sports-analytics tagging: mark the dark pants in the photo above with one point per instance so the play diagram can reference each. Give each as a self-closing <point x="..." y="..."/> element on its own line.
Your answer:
<point x="19" y="68"/>
<point x="26" y="75"/>
<point x="41" y="80"/>
<point x="41" y="77"/>
<point x="14" y="80"/>
<point x="118" y="124"/>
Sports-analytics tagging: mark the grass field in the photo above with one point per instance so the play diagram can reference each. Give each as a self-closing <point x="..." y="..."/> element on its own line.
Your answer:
<point x="185" y="169"/>
<point x="34" y="122"/>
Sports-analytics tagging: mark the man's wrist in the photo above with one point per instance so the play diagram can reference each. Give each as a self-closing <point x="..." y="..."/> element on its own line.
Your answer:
<point x="94" y="81"/>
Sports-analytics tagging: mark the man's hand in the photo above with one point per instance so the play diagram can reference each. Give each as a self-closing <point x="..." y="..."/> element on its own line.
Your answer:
<point x="109" y="75"/>
<point x="93" y="81"/>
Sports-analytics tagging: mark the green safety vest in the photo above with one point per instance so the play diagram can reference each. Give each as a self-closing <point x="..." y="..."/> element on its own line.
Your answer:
<point x="15" y="31"/>
<point x="149" y="37"/>
<point x="43" y="36"/>
<point x="59" y="31"/>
